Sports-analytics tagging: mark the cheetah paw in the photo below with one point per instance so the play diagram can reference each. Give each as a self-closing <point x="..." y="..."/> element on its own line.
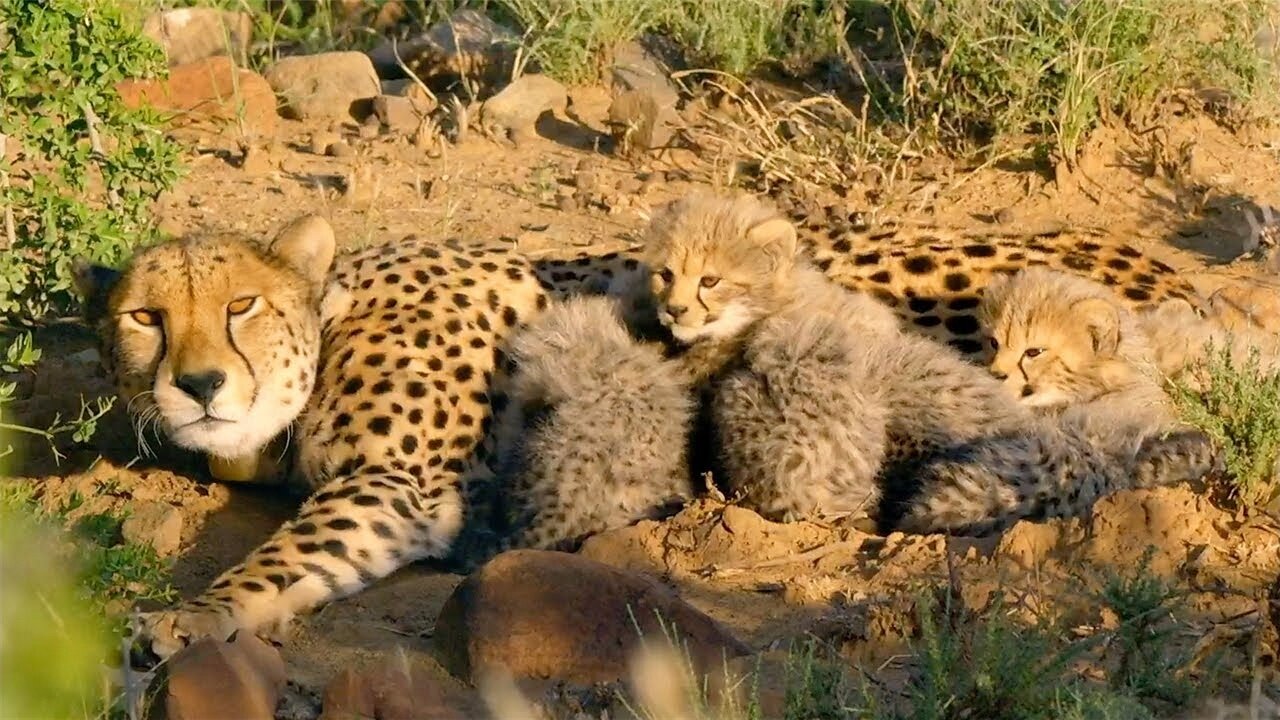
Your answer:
<point x="168" y="631"/>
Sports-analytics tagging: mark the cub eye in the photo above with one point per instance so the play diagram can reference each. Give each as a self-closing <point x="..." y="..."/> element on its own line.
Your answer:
<point x="1033" y="352"/>
<point x="995" y="344"/>
<point x="667" y="276"/>
<point x="241" y="306"/>
<point x="149" y="318"/>
<point x="710" y="282"/>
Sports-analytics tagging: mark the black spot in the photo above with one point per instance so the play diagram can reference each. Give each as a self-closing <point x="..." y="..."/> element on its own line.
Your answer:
<point x="382" y="387"/>
<point x="966" y="346"/>
<point x="964" y="303"/>
<point x="342" y="524"/>
<point x="253" y="586"/>
<point x="927" y="321"/>
<point x="841" y="246"/>
<point x="382" y="530"/>
<point x="408" y="444"/>
<point x="352" y="386"/>
<point x="455" y="465"/>
<point x="435" y="364"/>
<point x="461" y="301"/>
<point x="375" y="359"/>
<point x="366" y="500"/>
<point x="1118" y="264"/>
<point x="922" y="305"/>
<point x="882" y="277"/>
<point x="962" y="324"/>
<point x="335" y="547"/>
<point x="416" y="389"/>
<point x="380" y="425"/>
<point x="979" y="250"/>
<point x="509" y="316"/>
<point x="1137" y="293"/>
<point x="1078" y="262"/>
<point x="463" y="373"/>
<point x="401" y="508"/>
<point x="415" y="416"/>
<point x="453" y="325"/>
<point x="440" y="419"/>
<point x="956" y="282"/>
<point x="919" y="265"/>
<point x="1128" y="252"/>
<point x="341" y="421"/>
<point x="304" y="528"/>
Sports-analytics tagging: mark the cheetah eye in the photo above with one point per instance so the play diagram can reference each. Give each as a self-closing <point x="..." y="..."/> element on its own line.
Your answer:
<point x="241" y="306"/>
<point x="146" y="318"/>
<point x="1033" y="352"/>
<point x="995" y="344"/>
<point x="667" y="276"/>
<point x="710" y="282"/>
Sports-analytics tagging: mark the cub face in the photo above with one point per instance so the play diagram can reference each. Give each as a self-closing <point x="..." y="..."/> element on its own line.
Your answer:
<point x="718" y="264"/>
<point x="1055" y="339"/>
<point x="213" y="338"/>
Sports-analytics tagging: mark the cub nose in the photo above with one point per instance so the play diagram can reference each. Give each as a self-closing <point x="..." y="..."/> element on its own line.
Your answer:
<point x="677" y="310"/>
<point x="201" y="386"/>
<point x="1027" y="391"/>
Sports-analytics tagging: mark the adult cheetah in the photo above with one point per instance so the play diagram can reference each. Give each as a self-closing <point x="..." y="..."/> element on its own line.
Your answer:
<point x="382" y="365"/>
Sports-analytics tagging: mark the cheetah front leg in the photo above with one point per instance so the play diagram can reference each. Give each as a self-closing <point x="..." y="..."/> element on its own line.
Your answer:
<point x="354" y="530"/>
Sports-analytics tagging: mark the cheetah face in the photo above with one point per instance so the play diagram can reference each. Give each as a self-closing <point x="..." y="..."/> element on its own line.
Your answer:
<point x="1052" y="341"/>
<point x="213" y="339"/>
<point x="717" y="264"/>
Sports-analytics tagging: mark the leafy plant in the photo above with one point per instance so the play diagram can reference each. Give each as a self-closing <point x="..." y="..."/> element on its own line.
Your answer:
<point x="1238" y="405"/>
<point x="89" y="167"/>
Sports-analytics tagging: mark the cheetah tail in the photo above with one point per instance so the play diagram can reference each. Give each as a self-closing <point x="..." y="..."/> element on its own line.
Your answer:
<point x="1183" y="455"/>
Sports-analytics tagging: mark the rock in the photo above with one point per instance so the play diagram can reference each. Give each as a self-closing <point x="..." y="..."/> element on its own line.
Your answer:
<point x="466" y="44"/>
<point x="255" y="161"/>
<point x="213" y="92"/>
<point x="515" y="110"/>
<point x="555" y="615"/>
<point x="340" y="149"/>
<point x="321" y="142"/>
<point x="398" y="114"/>
<point x="238" y="678"/>
<point x="338" y="85"/>
<point x="157" y="524"/>
<point x="190" y="34"/>
<point x="391" y="689"/>
<point x="643" y="114"/>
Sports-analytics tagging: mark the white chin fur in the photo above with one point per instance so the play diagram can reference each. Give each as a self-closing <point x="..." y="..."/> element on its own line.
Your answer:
<point x="1046" y="399"/>
<point x="242" y="433"/>
<point x="732" y="321"/>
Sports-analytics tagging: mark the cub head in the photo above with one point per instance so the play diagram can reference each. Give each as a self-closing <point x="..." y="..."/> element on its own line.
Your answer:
<point x="213" y="338"/>
<point x="718" y="263"/>
<point x="1057" y="338"/>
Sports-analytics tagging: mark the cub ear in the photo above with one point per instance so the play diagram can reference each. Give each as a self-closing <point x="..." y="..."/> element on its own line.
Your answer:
<point x="307" y="244"/>
<point x="93" y="284"/>
<point x="777" y="238"/>
<point x="1102" y="320"/>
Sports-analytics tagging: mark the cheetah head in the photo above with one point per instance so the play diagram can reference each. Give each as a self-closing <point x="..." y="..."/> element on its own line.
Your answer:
<point x="718" y="263"/>
<point x="1057" y="339"/>
<point x="213" y="338"/>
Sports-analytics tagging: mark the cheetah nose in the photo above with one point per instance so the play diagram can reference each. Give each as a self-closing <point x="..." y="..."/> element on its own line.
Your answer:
<point x="201" y="386"/>
<point x="677" y="310"/>
<point x="1027" y="391"/>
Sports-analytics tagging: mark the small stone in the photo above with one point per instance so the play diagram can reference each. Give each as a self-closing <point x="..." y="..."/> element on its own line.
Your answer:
<point x="238" y="678"/>
<point x="566" y="202"/>
<point x="638" y="123"/>
<point x="629" y="185"/>
<point x="156" y="524"/>
<point x="544" y="614"/>
<point x="190" y="34"/>
<point x="1005" y="215"/>
<point x="515" y="110"/>
<point x="322" y="141"/>
<point x="370" y="130"/>
<point x="339" y="149"/>
<point x="208" y="92"/>
<point x="397" y="113"/>
<point x="255" y="161"/>
<point x="467" y="44"/>
<point x="391" y="689"/>
<point x="335" y="85"/>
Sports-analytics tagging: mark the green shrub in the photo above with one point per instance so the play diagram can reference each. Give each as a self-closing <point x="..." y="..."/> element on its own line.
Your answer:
<point x="71" y="196"/>
<point x="1238" y="405"/>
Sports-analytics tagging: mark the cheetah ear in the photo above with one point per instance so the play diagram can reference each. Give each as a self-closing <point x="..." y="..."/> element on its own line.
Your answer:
<point x="1102" y="320"/>
<point x="777" y="238"/>
<point x="94" y="284"/>
<point x="307" y="244"/>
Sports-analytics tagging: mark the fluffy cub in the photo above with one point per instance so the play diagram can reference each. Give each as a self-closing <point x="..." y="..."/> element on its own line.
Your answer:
<point x="595" y="434"/>
<point x="813" y="392"/>
<point x="1065" y="346"/>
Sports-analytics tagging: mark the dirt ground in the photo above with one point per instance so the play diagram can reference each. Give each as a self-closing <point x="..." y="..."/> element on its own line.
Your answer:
<point x="1181" y="189"/>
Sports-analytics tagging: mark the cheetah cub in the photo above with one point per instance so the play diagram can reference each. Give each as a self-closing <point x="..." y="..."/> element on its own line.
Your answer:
<point x="813" y="393"/>
<point x="594" y="436"/>
<point x="1065" y="346"/>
